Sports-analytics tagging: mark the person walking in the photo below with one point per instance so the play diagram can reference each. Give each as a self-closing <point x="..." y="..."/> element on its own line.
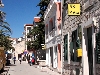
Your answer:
<point x="31" y="61"/>
<point x="14" y="59"/>
<point x="20" y="59"/>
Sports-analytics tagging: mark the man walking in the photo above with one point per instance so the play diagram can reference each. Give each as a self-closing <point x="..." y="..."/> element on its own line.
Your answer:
<point x="14" y="59"/>
<point x="20" y="59"/>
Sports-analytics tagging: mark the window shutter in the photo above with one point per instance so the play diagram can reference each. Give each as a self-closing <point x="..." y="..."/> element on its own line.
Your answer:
<point x="98" y="48"/>
<point x="65" y="47"/>
<point x="71" y="51"/>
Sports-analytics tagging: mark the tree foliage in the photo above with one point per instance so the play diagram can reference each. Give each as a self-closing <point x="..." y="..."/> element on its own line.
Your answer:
<point x="39" y="30"/>
<point x="5" y="32"/>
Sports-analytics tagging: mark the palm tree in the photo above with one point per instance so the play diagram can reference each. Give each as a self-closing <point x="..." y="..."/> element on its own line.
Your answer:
<point x="5" y="31"/>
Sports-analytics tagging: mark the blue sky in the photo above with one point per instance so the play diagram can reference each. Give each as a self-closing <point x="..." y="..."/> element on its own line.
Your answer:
<point x="18" y="13"/>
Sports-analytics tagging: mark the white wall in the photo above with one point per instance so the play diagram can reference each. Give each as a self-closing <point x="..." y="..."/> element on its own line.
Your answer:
<point x="18" y="48"/>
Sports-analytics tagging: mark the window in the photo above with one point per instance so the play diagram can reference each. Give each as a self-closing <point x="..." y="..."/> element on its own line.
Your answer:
<point x="54" y="22"/>
<point x="65" y="47"/>
<point x="72" y="1"/>
<point x="85" y="1"/>
<point x="28" y="28"/>
<point x="64" y="2"/>
<point x="73" y="47"/>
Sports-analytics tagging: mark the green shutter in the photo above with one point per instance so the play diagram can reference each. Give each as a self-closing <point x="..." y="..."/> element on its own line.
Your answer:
<point x="97" y="52"/>
<point x="71" y="51"/>
<point x="65" y="46"/>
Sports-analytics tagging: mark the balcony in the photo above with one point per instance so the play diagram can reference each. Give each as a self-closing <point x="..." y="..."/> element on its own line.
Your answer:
<point x="50" y="6"/>
<point x="52" y="34"/>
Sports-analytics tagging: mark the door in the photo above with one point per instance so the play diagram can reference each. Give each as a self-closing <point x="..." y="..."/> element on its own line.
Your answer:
<point x="90" y="52"/>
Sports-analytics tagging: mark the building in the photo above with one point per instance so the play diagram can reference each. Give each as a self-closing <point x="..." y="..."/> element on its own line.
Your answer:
<point x="52" y="20"/>
<point x="36" y="21"/>
<point x="27" y="29"/>
<point x="83" y="28"/>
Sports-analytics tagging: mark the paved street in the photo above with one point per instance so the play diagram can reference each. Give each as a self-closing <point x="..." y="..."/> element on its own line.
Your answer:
<point x="25" y="69"/>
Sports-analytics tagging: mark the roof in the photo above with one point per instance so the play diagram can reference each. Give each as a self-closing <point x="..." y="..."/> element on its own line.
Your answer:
<point x="28" y="25"/>
<point x="12" y="38"/>
<point x="36" y="19"/>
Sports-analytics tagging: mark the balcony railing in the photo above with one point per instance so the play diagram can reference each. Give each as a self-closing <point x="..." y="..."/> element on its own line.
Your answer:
<point x="52" y="33"/>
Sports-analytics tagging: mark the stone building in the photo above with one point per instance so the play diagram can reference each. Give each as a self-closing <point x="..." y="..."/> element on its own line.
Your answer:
<point x="83" y="28"/>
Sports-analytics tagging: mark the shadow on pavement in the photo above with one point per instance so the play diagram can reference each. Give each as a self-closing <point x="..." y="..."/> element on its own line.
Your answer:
<point x="3" y="71"/>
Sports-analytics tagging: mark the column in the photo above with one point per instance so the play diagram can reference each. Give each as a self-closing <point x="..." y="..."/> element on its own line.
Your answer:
<point x="47" y="57"/>
<point x="93" y="45"/>
<point x="48" y="31"/>
<point x="68" y="49"/>
<point x="53" y="56"/>
<point x="84" y="52"/>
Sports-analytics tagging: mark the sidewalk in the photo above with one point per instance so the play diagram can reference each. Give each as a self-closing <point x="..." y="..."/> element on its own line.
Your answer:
<point x="45" y="69"/>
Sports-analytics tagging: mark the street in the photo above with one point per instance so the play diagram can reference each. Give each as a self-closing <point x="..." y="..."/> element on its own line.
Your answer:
<point x="26" y="69"/>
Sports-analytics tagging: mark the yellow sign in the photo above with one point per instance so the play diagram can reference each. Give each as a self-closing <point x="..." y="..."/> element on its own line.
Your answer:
<point x="44" y="47"/>
<point x="73" y="9"/>
<point x="79" y="52"/>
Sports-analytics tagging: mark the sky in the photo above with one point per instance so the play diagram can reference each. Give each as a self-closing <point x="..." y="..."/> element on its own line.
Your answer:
<point x="18" y="13"/>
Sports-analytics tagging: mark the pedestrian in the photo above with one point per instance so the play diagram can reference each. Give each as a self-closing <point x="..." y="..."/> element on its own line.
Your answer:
<point x="20" y="59"/>
<point x="14" y="59"/>
<point x="31" y="61"/>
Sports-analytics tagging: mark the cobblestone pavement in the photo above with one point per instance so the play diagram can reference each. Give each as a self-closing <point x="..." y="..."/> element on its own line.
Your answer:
<point x="25" y="69"/>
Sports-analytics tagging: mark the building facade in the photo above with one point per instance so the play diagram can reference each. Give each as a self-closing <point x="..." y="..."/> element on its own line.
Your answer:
<point x="83" y="28"/>
<point x="52" y="20"/>
<point x="27" y="29"/>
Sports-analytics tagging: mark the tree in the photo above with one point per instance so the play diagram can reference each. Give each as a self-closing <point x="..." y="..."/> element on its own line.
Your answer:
<point x="39" y="31"/>
<point x="5" y="32"/>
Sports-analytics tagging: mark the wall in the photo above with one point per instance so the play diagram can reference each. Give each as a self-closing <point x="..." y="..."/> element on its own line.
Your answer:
<point x="19" y="47"/>
<point x="70" y="23"/>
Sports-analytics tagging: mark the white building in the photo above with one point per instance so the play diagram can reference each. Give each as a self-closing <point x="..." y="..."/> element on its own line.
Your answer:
<point x="27" y="28"/>
<point x="52" y="20"/>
